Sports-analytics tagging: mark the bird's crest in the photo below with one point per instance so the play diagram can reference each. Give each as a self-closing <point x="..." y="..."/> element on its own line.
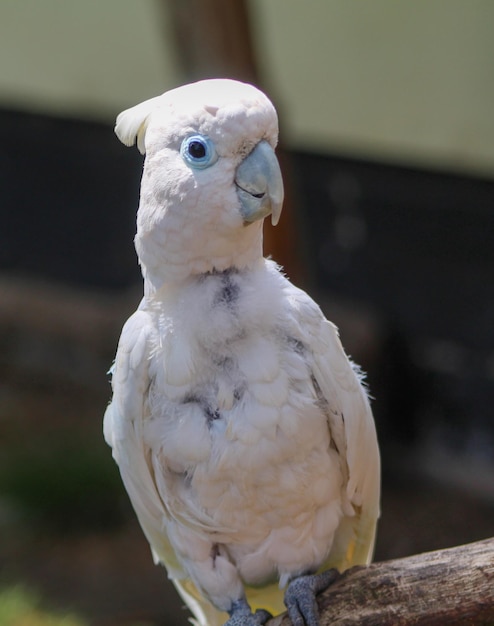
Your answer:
<point x="132" y="123"/>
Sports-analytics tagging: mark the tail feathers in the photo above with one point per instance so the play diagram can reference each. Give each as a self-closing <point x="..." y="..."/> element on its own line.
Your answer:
<point x="204" y="612"/>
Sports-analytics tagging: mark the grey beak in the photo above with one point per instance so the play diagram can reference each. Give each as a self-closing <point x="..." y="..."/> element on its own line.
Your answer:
<point x="260" y="185"/>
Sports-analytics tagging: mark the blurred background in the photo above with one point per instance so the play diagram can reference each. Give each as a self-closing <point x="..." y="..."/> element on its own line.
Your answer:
<point x="387" y="145"/>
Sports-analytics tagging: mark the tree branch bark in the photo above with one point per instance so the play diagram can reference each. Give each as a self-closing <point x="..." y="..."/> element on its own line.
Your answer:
<point x="453" y="587"/>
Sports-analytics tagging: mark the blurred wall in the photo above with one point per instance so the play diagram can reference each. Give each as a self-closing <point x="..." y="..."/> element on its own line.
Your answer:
<point x="411" y="82"/>
<point x="84" y="59"/>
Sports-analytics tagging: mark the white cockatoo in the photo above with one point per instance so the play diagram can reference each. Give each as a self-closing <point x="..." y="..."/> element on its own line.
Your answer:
<point x="242" y="431"/>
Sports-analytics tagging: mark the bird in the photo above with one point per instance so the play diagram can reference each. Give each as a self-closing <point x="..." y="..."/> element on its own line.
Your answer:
<point x="242" y="431"/>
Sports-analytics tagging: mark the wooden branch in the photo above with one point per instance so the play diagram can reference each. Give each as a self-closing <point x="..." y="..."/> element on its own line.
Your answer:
<point x="453" y="587"/>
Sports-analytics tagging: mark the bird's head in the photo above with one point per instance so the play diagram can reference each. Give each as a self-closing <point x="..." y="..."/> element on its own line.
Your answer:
<point x="210" y="177"/>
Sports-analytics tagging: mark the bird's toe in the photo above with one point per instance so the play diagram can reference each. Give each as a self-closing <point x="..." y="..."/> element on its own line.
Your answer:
<point x="241" y="615"/>
<point x="300" y="597"/>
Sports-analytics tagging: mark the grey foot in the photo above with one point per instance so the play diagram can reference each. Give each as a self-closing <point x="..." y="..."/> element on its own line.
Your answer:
<point x="241" y="615"/>
<point x="300" y="597"/>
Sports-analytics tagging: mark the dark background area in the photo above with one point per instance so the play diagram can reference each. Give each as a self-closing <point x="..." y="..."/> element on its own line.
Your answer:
<point x="416" y="248"/>
<point x="401" y="259"/>
<point x="69" y="194"/>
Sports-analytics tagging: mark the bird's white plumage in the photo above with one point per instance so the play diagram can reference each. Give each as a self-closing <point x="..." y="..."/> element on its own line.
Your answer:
<point x="242" y="432"/>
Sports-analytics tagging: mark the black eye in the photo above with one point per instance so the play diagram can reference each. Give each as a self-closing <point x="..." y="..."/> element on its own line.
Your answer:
<point x="198" y="152"/>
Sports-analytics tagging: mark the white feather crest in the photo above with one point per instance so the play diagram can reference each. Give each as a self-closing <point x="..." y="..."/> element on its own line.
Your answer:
<point x="131" y="124"/>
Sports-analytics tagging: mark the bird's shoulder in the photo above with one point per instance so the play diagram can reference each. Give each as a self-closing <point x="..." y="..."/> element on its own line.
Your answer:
<point x="304" y="317"/>
<point x="130" y="370"/>
<point x="134" y="345"/>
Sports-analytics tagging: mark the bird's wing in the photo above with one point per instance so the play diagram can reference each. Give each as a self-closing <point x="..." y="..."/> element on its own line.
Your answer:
<point x="123" y="425"/>
<point x="123" y="430"/>
<point x="339" y="384"/>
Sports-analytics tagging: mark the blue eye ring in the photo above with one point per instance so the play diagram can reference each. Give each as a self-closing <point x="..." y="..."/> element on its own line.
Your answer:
<point x="198" y="152"/>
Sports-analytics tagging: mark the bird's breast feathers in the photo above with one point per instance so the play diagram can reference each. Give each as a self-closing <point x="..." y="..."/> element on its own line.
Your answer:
<point x="235" y="425"/>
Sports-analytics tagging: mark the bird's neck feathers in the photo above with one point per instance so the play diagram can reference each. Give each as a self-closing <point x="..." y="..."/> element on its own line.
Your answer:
<point x="165" y="263"/>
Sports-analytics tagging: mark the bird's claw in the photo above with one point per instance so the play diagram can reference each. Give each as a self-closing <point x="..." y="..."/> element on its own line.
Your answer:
<point x="300" y="597"/>
<point x="241" y="615"/>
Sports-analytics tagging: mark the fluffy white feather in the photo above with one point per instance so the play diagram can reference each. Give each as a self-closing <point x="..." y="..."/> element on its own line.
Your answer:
<point x="242" y="432"/>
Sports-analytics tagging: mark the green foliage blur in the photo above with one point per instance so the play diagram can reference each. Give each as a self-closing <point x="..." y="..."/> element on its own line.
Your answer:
<point x="22" y="607"/>
<point x="66" y="485"/>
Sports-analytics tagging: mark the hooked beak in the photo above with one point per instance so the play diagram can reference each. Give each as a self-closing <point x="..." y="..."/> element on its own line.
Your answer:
<point x="259" y="185"/>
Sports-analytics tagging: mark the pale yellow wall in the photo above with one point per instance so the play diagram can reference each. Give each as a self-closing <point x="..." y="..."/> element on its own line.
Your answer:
<point x="87" y="58"/>
<point x="409" y="80"/>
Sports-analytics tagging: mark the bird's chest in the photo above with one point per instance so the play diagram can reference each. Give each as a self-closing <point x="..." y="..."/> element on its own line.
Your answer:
<point x="232" y="406"/>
